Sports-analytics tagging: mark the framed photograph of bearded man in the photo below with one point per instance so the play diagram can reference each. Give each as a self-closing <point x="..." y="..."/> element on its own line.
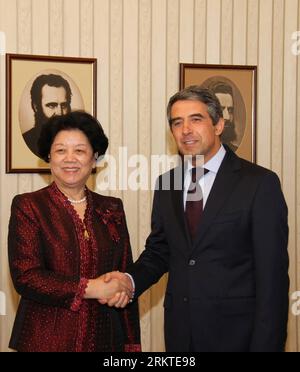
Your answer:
<point x="37" y="88"/>
<point x="235" y="87"/>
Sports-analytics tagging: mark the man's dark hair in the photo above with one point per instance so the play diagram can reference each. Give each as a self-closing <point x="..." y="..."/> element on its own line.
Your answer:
<point x="197" y="93"/>
<point x="220" y="87"/>
<point x="52" y="80"/>
<point x="77" y="120"/>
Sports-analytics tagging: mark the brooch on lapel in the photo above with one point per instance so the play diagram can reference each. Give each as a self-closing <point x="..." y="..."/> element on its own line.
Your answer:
<point x="111" y="219"/>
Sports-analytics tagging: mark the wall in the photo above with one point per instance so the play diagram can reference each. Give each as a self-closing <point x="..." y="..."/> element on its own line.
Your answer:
<point x="139" y="45"/>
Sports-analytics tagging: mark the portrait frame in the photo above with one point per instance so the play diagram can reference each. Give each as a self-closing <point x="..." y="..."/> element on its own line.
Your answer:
<point x="243" y="83"/>
<point x="21" y="71"/>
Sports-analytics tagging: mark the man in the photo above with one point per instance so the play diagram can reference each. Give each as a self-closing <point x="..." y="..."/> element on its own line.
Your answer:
<point x="228" y="265"/>
<point x="50" y="96"/>
<point x="225" y="95"/>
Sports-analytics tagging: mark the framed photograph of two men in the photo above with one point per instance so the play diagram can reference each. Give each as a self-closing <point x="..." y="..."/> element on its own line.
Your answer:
<point x="235" y="87"/>
<point x="37" y="88"/>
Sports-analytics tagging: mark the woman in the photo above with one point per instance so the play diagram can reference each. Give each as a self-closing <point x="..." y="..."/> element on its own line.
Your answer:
<point x="62" y="240"/>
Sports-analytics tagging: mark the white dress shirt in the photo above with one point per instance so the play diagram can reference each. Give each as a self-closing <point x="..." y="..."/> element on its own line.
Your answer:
<point x="206" y="181"/>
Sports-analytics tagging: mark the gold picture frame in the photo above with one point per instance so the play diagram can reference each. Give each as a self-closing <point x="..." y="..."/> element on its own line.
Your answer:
<point x="236" y="88"/>
<point x="73" y="81"/>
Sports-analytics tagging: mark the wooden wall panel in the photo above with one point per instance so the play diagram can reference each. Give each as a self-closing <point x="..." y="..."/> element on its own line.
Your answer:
<point x="289" y="148"/>
<point x="252" y="32"/>
<point x="296" y="339"/>
<point x="227" y="32"/>
<point x="239" y="31"/>
<point x="144" y="148"/>
<point x="8" y="184"/>
<point x="40" y="27"/>
<point x="56" y="10"/>
<point x="200" y="31"/>
<point x="116" y="83"/>
<point x="158" y="136"/>
<point x="213" y="21"/>
<point x="277" y="87"/>
<point x="86" y="13"/>
<point x="102" y="53"/>
<point x="186" y="30"/>
<point x="71" y="19"/>
<point x="40" y="45"/>
<point x="264" y="84"/>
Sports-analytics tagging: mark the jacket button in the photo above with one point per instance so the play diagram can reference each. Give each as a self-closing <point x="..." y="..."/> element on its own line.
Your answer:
<point x="185" y="299"/>
<point x="192" y="263"/>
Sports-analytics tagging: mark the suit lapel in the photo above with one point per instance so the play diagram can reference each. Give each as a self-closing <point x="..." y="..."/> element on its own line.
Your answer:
<point x="226" y="179"/>
<point x="178" y="205"/>
<point x="177" y="197"/>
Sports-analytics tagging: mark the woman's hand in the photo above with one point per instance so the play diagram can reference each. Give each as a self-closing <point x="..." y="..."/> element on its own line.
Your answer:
<point x="121" y="299"/>
<point x="103" y="291"/>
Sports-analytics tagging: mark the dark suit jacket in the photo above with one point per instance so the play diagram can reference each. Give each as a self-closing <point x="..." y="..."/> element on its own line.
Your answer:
<point x="229" y="290"/>
<point x="47" y="256"/>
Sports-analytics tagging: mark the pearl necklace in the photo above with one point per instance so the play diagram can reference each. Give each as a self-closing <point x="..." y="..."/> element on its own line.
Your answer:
<point x="77" y="201"/>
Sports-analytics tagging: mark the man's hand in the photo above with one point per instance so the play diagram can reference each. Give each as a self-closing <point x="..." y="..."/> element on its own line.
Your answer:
<point x="121" y="299"/>
<point x="105" y="288"/>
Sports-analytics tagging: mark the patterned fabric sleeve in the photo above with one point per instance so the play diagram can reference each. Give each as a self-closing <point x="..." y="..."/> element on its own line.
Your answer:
<point x="30" y="276"/>
<point x="79" y="295"/>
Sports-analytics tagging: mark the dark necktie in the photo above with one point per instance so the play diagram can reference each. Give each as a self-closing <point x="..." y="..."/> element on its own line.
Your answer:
<point x="194" y="203"/>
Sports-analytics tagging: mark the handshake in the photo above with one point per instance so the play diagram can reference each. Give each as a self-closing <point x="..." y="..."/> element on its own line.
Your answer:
<point x="112" y="289"/>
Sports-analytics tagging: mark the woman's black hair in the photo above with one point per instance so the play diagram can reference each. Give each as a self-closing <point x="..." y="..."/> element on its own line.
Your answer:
<point x="74" y="120"/>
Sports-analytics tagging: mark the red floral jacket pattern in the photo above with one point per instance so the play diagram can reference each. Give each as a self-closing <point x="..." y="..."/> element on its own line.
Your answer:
<point x="50" y="262"/>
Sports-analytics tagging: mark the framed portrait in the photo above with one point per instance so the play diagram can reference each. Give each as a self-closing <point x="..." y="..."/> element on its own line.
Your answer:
<point x="37" y="88"/>
<point x="235" y="87"/>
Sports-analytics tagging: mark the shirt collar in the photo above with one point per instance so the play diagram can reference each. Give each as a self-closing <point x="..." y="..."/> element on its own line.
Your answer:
<point x="213" y="164"/>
